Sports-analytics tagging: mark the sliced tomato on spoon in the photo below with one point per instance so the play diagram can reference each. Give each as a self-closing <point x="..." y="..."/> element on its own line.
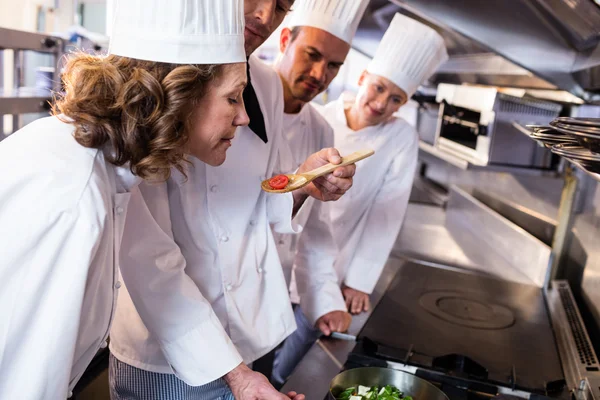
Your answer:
<point x="279" y="182"/>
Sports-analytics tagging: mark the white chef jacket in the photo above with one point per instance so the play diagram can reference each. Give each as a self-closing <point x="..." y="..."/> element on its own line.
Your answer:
<point x="367" y="219"/>
<point x="238" y="308"/>
<point x="62" y="211"/>
<point x="315" y="278"/>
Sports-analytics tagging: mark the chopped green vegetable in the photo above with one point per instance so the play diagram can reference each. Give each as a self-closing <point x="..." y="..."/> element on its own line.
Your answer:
<point x="387" y="392"/>
<point x="346" y="394"/>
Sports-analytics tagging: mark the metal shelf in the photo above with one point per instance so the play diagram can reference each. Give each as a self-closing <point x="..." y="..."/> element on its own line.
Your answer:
<point x="24" y="105"/>
<point x="472" y="164"/>
<point x="527" y="132"/>
<point x="443" y="155"/>
<point x="23" y="101"/>
<point x="21" y="40"/>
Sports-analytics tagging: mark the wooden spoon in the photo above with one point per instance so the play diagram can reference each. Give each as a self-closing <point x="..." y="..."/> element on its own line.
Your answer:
<point x="298" y="181"/>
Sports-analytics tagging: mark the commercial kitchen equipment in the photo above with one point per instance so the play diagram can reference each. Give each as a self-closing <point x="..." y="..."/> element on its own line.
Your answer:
<point x="18" y="99"/>
<point x="479" y="123"/>
<point x="472" y="335"/>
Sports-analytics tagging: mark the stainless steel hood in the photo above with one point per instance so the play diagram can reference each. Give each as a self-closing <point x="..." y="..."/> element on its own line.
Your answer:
<point x="542" y="44"/>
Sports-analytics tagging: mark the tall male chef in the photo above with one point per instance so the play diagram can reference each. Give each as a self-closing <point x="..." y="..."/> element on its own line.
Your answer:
<point x="313" y="47"/>
<point x="221" y="221"/>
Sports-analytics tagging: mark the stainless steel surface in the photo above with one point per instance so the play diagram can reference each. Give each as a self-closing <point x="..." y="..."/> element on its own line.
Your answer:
<point x="465" y="325"/>
<point x="488" y="69"/>
<point x="593" y="175"/>
<point x="457" y="158"/>
<point x="579" y="360"/>
<point x="452" y="159"/>
<point x="329" y="354"/>
<point x="538" y="193"/>
<point x="502" y="248"/>
<point x="22" y="104"/>
<point x="543" y="47"/>
<point x="536" y="223"/>
<point x="424" y="238"/>
<point x="408" y="384"/>
<point x="578" y="21"/>
<point x="564" y="225"/>
<point x="425" y="191"/>
<point x="470" y="61"/>
<point x="583" y="266"/>
<point x="21" y="40"/>
<point x="428" y="121"/>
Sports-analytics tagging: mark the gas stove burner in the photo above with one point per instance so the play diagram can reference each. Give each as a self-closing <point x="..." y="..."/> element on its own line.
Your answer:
<point x="467" y="310"/>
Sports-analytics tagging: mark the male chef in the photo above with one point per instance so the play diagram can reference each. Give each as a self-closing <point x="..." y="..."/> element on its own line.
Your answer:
<point x="313" y="47"/>
<point x="221" y="221"/>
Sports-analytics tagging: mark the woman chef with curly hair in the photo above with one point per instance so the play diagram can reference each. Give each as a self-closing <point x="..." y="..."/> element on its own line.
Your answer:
<point x="171" y="87"/>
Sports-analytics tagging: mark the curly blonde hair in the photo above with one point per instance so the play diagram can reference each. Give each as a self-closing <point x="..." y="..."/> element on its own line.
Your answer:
<point x="140" y="109"/>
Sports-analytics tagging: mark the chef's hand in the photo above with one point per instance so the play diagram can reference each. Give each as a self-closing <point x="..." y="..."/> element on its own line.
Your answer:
<point x="334" y="321"/>
<point x="246" y="384"/>
<point x="331" y="186"/>
<point x="295" y="396"/>
<point x="356" y="301"/>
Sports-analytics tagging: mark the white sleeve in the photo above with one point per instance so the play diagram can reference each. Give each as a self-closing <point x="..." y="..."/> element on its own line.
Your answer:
<point x="316" y="279"/>
<point x="44" y="273"/>
<point x="383" y="223"/>
<point x="280" y="207"/>
<point x="169" y="303"/>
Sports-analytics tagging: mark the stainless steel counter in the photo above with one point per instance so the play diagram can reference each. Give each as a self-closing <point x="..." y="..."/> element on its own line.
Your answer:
<point x="468" y="234"/>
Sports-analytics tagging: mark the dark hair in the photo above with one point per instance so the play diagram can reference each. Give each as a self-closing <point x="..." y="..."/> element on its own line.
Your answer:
<point x="295" y="32"/>
<point x="139" y="108"/>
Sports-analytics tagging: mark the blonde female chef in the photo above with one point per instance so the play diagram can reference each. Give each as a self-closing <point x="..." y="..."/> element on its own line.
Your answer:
<point x="69" y="180"/>
<point x="366" y="222"/>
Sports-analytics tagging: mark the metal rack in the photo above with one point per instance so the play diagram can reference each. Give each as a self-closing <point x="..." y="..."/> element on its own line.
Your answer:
<point x="19" y="99"/>
<point x="460" y="161"/>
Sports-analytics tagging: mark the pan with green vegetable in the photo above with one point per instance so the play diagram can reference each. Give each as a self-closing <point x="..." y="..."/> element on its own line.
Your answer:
<point x="382" y="384"/>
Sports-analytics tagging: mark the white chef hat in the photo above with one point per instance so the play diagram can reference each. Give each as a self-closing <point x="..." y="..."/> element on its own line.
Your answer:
<point x="179" y="31"/>
<point x="338" y="17"/>
<point x="408" y="53"/>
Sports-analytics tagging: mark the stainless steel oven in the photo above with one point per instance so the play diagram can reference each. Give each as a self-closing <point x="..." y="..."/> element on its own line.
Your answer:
<point x="481" y="124"/>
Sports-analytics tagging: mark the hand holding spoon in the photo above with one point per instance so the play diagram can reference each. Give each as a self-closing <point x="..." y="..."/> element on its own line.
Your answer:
<point x="298" y="181"/>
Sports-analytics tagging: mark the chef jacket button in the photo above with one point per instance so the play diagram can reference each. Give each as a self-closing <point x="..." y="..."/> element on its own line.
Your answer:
<point x="104" y="344"/>
<point x="228" y="288"/>
<point x="214" y="188"/>
<point x="117" y="285"/>
<point x="224" y="238"/>
<point x="70" y="394"/>
<point x="260" y="270"/>
<point x="252" y="222"/>
<point x="119" y="210"/>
